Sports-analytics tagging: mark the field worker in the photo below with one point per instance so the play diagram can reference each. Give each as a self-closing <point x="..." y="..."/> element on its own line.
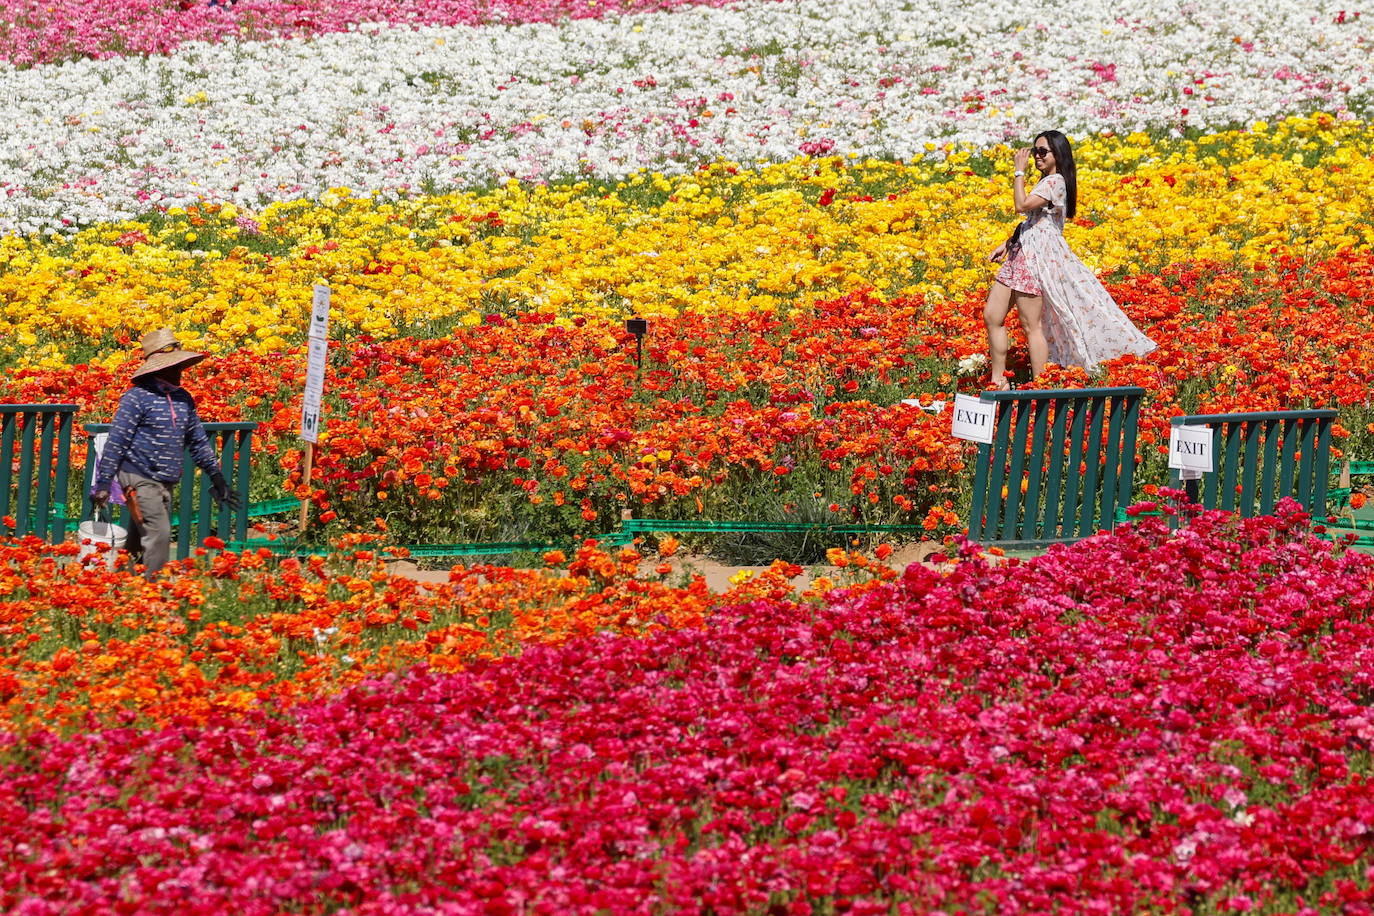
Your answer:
<point x="155" y="422"/>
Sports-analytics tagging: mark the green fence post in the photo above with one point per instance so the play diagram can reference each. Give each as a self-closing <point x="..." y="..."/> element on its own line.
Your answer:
<point x="1094" y="448"/>
<point x="1054" y="495"/>
<point x="998" y="471"/>
<point x="185" y="520"/>
<point x="1306" y="462"/>
<point x="58" y="528"/>
<point x="43" y="475"/>
<point x="1030" y="527"/>
<point x="1323" y="468"/>
<point x="243" y="469"/>
<point x="1112" y="471"/>
<point x="8" y="422"/>
<point x="1288" y="464"/>
<point x="1231" y="466"/>
<point x="1018" y="466"/>
<point x="1273" y="430"/>
<point x="24" y="497"/>
<point x="1130" y="428"/>
<point x="1072" y="474"/>
<point x="1250" y="455"/>
<point x="980" y="487"/>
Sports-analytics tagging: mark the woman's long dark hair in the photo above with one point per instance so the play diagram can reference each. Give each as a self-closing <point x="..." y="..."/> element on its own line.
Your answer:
<point x="1063" y="161"/>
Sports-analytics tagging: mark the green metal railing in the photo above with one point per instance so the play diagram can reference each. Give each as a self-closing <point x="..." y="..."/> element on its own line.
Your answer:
<point x="1348" y="528"/>
<point x="35" y="461"/>
<point x="1261" y="458"/>
<point x="196" y="516"/>
<point x="1074" y="452"/>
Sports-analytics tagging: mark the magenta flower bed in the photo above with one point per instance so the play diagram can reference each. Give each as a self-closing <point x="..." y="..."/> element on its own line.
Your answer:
<point x="1138" y="723"/>
<point x="43" y="31"/>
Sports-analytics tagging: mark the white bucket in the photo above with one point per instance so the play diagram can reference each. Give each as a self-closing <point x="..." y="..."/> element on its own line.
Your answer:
<point x="98" y="537"/>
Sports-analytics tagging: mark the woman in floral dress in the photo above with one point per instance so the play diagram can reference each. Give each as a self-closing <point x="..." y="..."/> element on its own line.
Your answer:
<point x="1069" y="317"/>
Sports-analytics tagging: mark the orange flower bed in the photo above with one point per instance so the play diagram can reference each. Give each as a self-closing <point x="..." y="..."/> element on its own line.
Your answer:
<point x="231" y="631"/>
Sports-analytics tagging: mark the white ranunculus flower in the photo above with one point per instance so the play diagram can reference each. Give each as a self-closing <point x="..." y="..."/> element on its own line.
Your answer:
<point x="395" y="109"/>
<point x="972" y="365"/>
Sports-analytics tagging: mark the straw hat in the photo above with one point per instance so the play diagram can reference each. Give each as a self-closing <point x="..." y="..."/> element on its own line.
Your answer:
<point x="161" y="351"/>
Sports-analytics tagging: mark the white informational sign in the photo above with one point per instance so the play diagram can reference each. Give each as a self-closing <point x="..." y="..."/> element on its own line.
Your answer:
<point x="973" y="419"/>
<point x="99" y="445"/>
<point x="319" y="313"/>
<point x="1191" y="448"/>
<point x="314" y="373"/>
<point x="310" y="423"/>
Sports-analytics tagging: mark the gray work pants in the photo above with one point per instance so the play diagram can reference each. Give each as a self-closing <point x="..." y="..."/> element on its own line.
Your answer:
<point x="152" y="539"/>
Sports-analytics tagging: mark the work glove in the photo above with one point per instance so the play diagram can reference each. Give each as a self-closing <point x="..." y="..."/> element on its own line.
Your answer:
<point x="220" y="488"/>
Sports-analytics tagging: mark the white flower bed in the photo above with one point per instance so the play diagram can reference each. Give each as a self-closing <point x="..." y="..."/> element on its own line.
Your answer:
<point x="396" y="111"/>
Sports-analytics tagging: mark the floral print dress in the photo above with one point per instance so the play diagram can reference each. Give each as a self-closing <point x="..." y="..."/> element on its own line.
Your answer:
<point x="1082" y="324"/>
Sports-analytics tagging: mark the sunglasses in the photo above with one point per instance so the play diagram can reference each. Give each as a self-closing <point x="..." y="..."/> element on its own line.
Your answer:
<point x="1040" y="152"/>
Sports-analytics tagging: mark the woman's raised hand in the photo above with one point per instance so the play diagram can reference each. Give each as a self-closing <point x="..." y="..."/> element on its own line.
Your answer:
<point x="1022" y="158"/>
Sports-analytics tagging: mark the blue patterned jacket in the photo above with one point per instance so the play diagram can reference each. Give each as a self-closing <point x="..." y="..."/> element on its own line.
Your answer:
<point x="155" y="422"/>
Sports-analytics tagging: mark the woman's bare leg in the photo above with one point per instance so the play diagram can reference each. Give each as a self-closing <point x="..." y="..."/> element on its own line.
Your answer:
<point x="1030" y="309"/>
<point x="995" y="317"/>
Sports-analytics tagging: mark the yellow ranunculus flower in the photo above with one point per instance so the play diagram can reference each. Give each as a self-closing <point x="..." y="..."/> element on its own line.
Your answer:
<point x="728" y="238"/>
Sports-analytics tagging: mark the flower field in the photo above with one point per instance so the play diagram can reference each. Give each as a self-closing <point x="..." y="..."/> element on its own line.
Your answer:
<point x="482" y="386"/>
<point x="725" y="238"/>
<point x="238" y="632"/>
<point x="387" y="108"/>
<point x="798" y="197"/>
<point x="1188" y="734"/>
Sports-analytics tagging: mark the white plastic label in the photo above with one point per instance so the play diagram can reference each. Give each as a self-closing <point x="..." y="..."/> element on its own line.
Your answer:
<point x="1190" y="448"/>
<point x="973" y="419"/>
<point x="310" y="423"/>
<point x="319" y="313"/>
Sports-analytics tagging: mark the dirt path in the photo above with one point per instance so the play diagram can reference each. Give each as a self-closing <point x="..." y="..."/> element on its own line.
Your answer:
<point x="716" y="574"/>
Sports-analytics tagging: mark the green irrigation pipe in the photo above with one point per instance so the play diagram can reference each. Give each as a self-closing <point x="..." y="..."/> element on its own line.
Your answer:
<point x="273" y="507"/>
<point x="624" y="536"/>
<point x="1358" y="540"/>
<point x="284" y="547"/>
<point x="255" y="510"/>
<point x="683" y="525"/>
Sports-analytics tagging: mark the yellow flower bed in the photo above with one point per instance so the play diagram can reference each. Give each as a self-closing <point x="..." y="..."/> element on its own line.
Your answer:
<point x="730" y="238"/>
